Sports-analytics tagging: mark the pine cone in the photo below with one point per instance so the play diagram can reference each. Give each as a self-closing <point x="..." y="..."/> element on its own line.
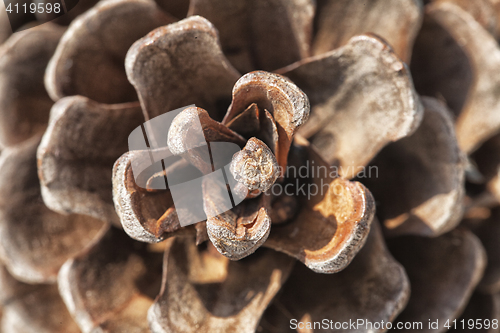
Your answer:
<point x="358" y="142"/>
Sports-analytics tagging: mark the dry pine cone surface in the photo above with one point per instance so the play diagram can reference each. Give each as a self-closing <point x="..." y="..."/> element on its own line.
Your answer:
<point x="359" y="142"/>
